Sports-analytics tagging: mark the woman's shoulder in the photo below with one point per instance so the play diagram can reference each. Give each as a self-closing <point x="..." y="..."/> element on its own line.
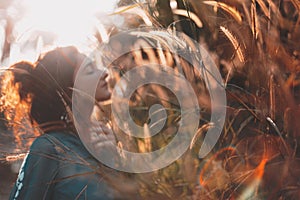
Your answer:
<point x="56" y="143"/>
<point x="64" y="144"/>
<point x="43" y="144"/>
<point x="51" y="139"/>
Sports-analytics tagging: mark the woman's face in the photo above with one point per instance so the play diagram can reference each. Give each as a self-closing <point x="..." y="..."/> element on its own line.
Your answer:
<point x="89" y="75"/>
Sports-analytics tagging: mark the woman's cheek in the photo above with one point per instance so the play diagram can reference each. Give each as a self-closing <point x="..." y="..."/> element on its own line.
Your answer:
<point x="102" y="92"/>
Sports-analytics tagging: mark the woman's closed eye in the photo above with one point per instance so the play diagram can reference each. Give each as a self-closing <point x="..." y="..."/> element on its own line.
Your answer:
<point x="90" y="68"/>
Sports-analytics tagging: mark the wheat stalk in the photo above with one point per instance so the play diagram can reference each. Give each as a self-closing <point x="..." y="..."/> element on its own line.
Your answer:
<point x="234" y="42"/>
<point x="231" y="10"/>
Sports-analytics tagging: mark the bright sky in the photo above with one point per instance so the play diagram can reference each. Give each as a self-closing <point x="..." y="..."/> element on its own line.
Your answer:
<point x="61" y="22"/>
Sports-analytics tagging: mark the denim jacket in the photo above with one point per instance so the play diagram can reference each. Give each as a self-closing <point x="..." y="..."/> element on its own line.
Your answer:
<point x="59" y="167"/>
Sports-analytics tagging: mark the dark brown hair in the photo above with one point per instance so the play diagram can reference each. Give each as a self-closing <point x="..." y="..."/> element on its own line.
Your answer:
<point x="54" y="73"/>
<point x="35" y="97"/>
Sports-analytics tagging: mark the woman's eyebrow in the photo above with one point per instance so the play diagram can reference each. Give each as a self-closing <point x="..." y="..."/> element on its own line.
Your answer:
<point x="86" y="63"/>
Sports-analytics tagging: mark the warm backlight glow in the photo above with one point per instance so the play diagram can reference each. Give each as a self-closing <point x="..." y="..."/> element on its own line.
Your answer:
<point x="45" y="24"/>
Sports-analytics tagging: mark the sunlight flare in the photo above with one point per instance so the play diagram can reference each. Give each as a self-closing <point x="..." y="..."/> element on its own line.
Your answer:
<point x="45" y="24"/>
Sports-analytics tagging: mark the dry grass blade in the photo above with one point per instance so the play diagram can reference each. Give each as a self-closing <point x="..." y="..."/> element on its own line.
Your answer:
<point x="272" y="97"/>
<point x="234" y="42"/>
<point x="231" y="10"/>
<point x="264" y="8"/>
<point x="145" y="144"/>
<point x="123" y="9"/>
<point x="134" y="9"/>
<point x="190" y="15"/>
<point x="81" y="192"/>
<point x="296" y="3"/>
<point x="278" y="132"/>
<point x="199" y="132"/>
<point x="254" y="20"/>
<point x="244" y="124"/>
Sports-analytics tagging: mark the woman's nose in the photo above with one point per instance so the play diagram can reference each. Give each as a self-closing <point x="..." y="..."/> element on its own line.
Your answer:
<point x="104" y="75"/>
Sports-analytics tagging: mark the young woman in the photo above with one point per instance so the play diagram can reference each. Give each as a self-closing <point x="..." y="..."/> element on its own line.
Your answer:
<point x="57" y="166"/>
